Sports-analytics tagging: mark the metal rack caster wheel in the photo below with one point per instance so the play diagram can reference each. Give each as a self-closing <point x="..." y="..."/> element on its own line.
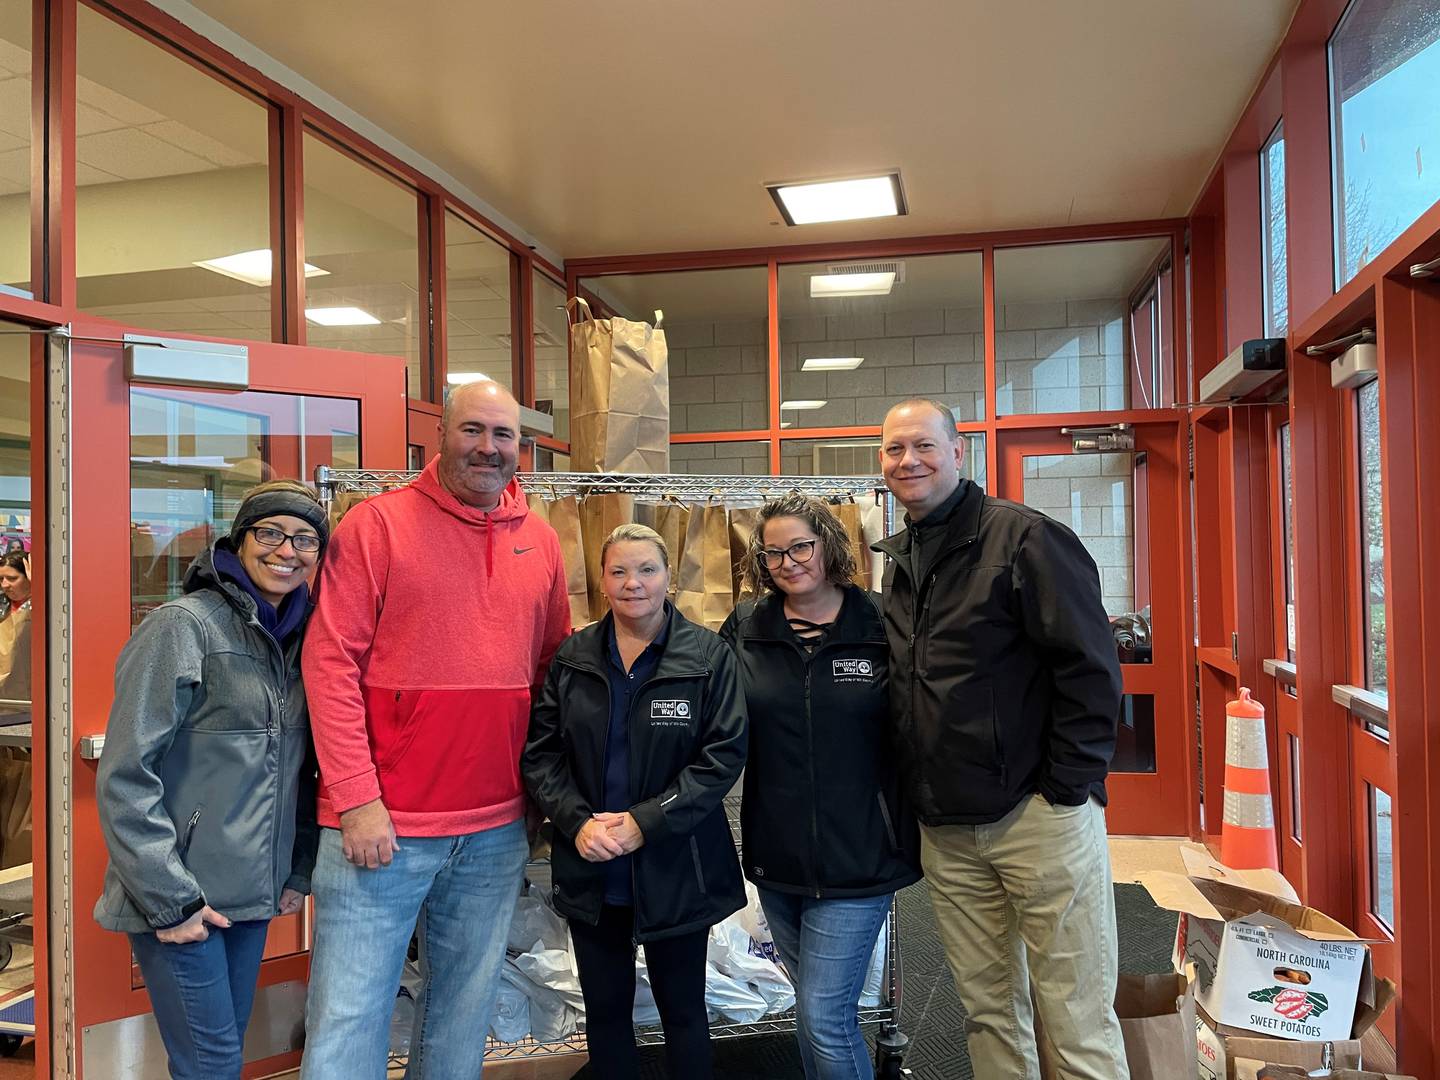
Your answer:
<point x="890" y="1047"/>
<point x="7" y="953"/>
<point x="10" y="1045"/>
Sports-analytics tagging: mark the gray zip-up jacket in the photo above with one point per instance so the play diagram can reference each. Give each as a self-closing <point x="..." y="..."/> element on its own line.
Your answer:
<point x="206" y="786"/>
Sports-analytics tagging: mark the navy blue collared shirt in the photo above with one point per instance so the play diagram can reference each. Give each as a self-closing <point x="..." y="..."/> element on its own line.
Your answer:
<point x="623" y="687"/>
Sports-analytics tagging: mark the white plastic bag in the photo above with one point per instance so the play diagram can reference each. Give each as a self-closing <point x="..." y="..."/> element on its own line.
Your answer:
<point x="875" y="974"/>
<point x="510" y="1017"/>
<point x="729" y="1000"/>
<point x="730" y="952"/>
<point x="551" y="969"/>
<point x="752" y="918"/>
<point x="552" y="1018"/>
<point x="647" y="1013"/>
<point x="535" y="920"/>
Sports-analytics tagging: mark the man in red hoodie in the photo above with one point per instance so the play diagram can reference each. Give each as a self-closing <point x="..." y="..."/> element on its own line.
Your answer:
<point x="440" y="606"/>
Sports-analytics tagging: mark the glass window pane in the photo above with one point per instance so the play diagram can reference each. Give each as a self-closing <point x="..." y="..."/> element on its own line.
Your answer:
<point x="1295" y="803"/>
<point x="477" y="305"/>
<point x="1384" y="67"/>
<point x="193" y="455"/>
<point x="552" y="354"/>
<point x="1094" y="494"/>
<point x="721" y="458"/>
<point x="172" y="171"/>
<point x="1382" y="862"/>
<point x="846" y="358"/>
<point x="1135" y="735"/>
<point x="362" y="229"/>
<point x="1062" y="340"/>
<point x="1372" y="537"/>
<point x="1288" y="525"/>
<point x="715" y="329"/>
<point x="15" y="146"/>
<point x="15" y="524"/>
<point x="861" y="457"/>
<point x="1272" y="234"/>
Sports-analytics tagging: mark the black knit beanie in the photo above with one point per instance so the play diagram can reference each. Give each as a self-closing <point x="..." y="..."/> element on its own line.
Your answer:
<point x="266" y="504"/>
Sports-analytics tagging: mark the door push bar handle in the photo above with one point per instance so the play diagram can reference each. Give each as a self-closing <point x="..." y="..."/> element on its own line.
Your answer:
<point x="91" y="747"/>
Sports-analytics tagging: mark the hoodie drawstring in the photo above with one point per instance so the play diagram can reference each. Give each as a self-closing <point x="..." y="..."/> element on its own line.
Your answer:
<point x="489" y="548"/>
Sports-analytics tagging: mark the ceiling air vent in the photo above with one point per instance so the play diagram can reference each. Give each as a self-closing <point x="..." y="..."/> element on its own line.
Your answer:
<point x="892" y="266"/>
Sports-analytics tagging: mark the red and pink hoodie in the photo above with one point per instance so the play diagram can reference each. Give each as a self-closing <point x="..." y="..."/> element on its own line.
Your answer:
<point x="434" y="622"/>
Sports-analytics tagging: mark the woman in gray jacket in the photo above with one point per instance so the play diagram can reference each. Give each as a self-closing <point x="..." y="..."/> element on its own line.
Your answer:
<point x="206" y="788"/>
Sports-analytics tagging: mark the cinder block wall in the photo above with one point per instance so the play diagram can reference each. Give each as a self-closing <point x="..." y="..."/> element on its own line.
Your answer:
<point x="1051" y="357"/>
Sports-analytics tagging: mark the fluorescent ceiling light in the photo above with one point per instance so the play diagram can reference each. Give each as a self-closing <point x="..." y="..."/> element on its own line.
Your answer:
<point x="341" y="316"/>
<point x="457" y="378"/>
<point x="251" y="267"/>
<point x="832" y="363"/>
<point x="798" y="405"/>
<point x="840" y="200"/>
<point x="823" y="286"/>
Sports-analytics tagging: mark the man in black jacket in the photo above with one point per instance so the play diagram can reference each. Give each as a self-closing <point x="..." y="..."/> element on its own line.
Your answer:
<point x="1005" y="691"/>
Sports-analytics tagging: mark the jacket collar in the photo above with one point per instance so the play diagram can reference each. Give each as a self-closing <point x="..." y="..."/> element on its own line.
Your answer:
<point x="961" y="528"/>
<point x="681" y="652"/>
<point x="856" y="621"/>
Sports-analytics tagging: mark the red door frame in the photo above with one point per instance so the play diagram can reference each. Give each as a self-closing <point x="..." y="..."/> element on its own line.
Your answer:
<point x="1141" y="803"/>
<point x="99" y="476"/>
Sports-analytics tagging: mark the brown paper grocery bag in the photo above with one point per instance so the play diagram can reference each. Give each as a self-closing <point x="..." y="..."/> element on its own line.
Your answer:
<point x="742" y="527"/>
<point x="16" y="776"/>
<point x="599" y="514"/>
<point x="619" y="394"/>
<point x="1157" y="1022"/>
<point x="668" y="518"/>
<point x="706" y="593"/>
<point x="342" y="503"/>
<point x="564" y="517"/>
<point x="849" y="514"/>
<point x="538" y="505"/>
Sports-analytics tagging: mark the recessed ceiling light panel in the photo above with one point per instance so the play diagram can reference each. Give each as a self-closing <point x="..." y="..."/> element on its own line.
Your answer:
<point x="341" y="316"/>
<point x="840" y="200"/>
<point x="802" y="404"/>
<point x="251" y="267"/>
<point x="459" y="378"/>
<point x="832" y="363"/>
<point x="833" y="286"/>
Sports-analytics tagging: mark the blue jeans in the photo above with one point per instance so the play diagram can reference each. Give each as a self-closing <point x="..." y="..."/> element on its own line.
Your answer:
<point x="202" y="992"/>
<point x="465" y="887"/>
<point x="826" y="946"/>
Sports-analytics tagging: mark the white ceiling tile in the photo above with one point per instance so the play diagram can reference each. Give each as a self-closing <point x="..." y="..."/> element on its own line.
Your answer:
<point x="116" y="104"/>
<point x="86" y="175"/>
<point x="198" y="143"/>
<point x="15" y="107"/>
<point x="15" y="166"/>
<point x="134" y="155"/>
<point x="14" y="58"/>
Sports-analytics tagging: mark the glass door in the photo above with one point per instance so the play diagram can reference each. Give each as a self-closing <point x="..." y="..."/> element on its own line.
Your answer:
<point x="1124" y="507"/>
<point x="153" y="473"/>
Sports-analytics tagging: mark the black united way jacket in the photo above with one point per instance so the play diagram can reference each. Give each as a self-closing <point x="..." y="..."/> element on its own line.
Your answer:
<point x="1004" y="679"/>
<point x="687" y="732"/>
<point x="823" y="813"/>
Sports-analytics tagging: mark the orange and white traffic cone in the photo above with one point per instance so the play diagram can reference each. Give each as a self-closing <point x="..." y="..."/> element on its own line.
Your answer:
<point x="1247" y="834"/>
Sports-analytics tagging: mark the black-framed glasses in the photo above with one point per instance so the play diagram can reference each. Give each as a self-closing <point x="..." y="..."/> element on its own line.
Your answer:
<point x="801" y="552"/>
<point x="265" y="536"/>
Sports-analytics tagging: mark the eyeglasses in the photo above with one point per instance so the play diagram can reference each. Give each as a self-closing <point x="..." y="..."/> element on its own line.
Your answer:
<point x="304" y="543"/>
<point x="801" y="552"/>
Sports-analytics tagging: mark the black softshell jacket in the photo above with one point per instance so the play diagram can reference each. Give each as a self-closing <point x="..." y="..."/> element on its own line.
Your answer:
<point x="1003" y="675"/>
<point x="687" y="749"/>
<point x="823" y="813"/>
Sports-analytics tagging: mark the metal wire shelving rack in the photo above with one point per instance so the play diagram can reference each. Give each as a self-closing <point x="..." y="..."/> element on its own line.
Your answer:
<point x="692" y="488"/>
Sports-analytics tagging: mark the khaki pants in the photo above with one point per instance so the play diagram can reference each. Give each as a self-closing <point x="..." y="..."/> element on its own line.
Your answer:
<point x="1028" y="898"/>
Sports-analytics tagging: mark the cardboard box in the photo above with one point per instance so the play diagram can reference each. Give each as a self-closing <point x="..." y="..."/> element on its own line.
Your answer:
<point x="1266" y="963"/>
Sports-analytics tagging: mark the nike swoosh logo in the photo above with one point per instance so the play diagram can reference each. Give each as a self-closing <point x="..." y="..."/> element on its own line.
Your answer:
<point x="521" y="551"/>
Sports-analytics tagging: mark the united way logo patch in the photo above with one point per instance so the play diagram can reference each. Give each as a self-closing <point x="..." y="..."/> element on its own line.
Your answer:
<point x="670" y="712"/>
<point x="852" y="670"/>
